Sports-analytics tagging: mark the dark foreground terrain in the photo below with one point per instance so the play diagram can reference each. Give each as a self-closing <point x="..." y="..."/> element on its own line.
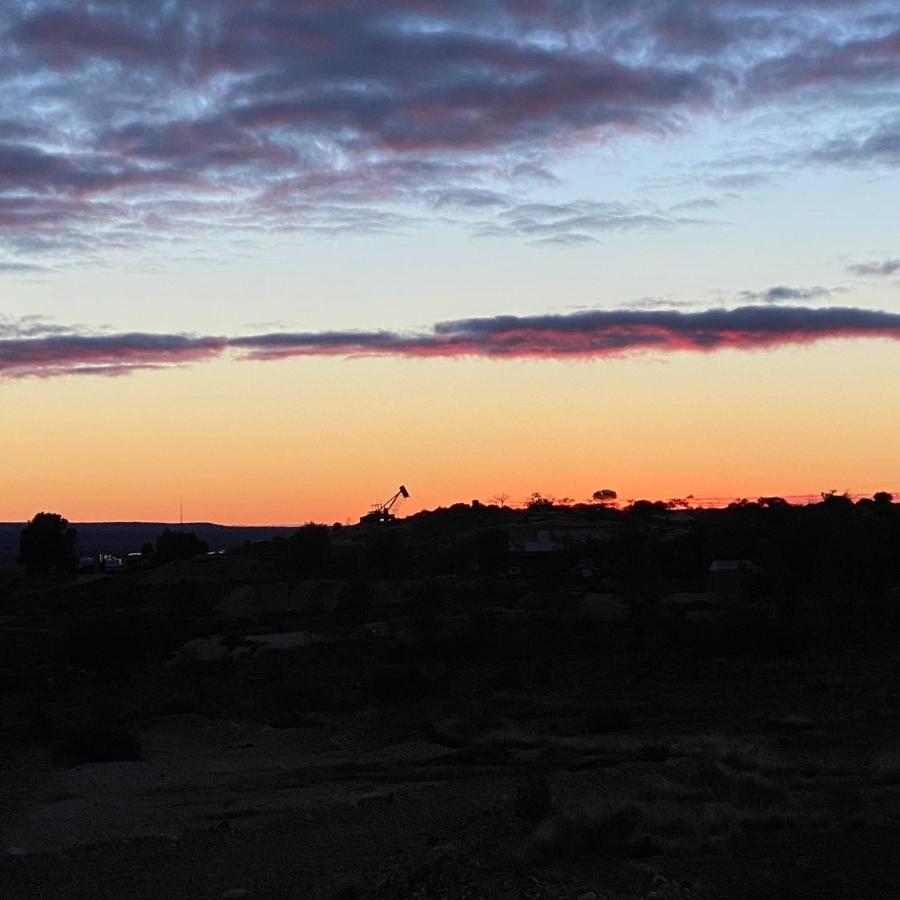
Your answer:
<point x="230" y="724"/>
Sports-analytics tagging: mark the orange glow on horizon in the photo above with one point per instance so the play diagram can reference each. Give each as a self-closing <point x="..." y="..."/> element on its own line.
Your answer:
<point x="322" y="440"/>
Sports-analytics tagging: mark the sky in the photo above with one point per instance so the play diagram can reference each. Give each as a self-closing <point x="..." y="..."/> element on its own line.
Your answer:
<point x="269" y="259"/>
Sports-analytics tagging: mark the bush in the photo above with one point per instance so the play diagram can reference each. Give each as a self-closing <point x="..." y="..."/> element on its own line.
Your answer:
<point x="93" y="742"/>
<point x="348" y="891"/>
<point x="171" y="545"/>
<point x="569" y="836"/>
<point x="308" y="550"/>
<point x="114" y="643"/>
<point x="393" y="681"/>
<point x="604" y="719"/>
<point x="532" y="801"/>
<point x="559" y="838"/>
<point x="655" y="752"/>
<point x="178" y="702"/>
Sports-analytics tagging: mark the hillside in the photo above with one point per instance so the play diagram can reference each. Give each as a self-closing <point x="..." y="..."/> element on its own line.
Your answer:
<point x="120" y="538"/>
<point x="473" y="702"/>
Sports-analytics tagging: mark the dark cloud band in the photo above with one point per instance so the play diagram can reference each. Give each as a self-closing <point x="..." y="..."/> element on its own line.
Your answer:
<point x="595" y="334"/>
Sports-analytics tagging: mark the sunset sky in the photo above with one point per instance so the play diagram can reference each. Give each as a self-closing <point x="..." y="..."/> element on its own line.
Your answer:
<point x="275" y="257"/>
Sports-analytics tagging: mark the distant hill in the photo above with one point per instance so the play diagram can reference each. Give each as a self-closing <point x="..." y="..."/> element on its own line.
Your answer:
<point x="120" y="538"/>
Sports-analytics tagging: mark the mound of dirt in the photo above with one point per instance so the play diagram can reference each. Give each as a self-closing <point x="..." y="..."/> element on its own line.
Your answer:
<point x="208" y="570"/>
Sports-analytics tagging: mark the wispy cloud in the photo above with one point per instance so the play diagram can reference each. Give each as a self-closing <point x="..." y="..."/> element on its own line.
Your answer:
<point x="877" y="268"/>
<point x="783" y="294"/>
<point x="582" y="335"/>
<point x="875" y="146"/>
<point x="20" y="268"/>
<point x="579" y="221"/>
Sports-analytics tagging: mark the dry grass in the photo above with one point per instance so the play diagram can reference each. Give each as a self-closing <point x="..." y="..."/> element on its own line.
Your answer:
<point x="572" y="834"/>
<point x="885" y="768"/>
<point x="752" y="754"/>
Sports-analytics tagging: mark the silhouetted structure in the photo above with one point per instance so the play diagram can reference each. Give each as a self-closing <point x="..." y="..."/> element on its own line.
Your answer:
<point x="381" y="512"/>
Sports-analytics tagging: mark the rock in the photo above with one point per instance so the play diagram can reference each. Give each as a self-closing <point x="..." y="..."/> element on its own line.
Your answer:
<point x="588" y="895"/>
<point x="288" y="640"/>
<point x="238" y="894"/>
<point x="203" y="650"/>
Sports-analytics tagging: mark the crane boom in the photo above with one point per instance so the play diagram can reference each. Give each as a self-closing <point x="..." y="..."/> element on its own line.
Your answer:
<point x="381" y="512"/>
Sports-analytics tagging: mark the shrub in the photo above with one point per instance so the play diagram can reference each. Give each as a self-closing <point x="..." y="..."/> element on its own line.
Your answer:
<point x="393" y="681"/>
<point x="174" y="704"/>
<point x="559" y="838"/>
<point x="569" y="836"/>
<point x="289" y="704"/>
<point x="532" y="801"/>
<point x="605" y="719"/>
<point x="114" y="643"/>
<point x="348" y="891"/>
<point x="508" y="679"/>
<point x="171" y="545"/>
<point x="309" y="549"/>
<point x="655" y="752"/>
<point x="95" y="742"/>
<point x="886" y="768"/>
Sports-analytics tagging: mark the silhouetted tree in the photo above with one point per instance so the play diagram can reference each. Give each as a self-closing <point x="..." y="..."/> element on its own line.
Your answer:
<point x="46" y="544"/>
<point x="604" y="495"/>
<point x="773" y="502"/>
<point x="647" y="507"/>
<point x="309" y="548"/>
<point x="883" y="498"/>
<point x="178" y="545"/>
<point x="833" y="500"/>
<point x="538" y="501"/>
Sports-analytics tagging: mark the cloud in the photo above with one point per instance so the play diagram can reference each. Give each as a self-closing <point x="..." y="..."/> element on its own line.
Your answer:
<point x="880" y="269"/>
<point x="52" y="354"/>
<point x="871" y="60"/>
<point x="878" y="146"/>
<point x="32" y="326"/>
<point x="601" y="333"/>
<point x="579" y="221"/>
<point x="20" y="268"/>
<point x="740" y="181"/>
<point x="582" y="335"/>
<point x="467" y="199"/>
<point x="530" y="171"/>
<point x="125" y="122"/>
<point x="783" y="294"/>
<point x="568" y="239"/>
<point x="696" y="203"/>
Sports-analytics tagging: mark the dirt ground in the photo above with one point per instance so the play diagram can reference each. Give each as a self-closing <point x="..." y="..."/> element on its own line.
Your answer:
<point x="662" y="775"/>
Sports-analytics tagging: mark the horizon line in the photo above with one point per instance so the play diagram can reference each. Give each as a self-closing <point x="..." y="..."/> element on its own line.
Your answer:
<point x="699" y="503"/>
